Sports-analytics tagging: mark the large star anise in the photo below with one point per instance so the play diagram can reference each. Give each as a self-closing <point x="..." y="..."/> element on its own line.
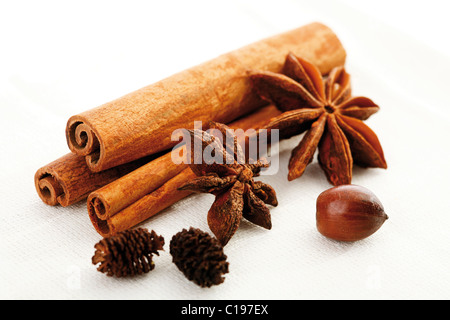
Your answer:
<point x="326" y="109"/>
<point x="231" y="181"/>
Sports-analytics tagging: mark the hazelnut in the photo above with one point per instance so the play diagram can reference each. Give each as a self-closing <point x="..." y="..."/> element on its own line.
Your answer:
<point x="349" y="213"/>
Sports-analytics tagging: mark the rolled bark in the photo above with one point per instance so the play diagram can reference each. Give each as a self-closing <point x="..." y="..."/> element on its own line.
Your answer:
<point x="68" y="180"/>
<point x="144" y="208"/>
<point x="141" y="123"/>
<point x="121" y="193"/>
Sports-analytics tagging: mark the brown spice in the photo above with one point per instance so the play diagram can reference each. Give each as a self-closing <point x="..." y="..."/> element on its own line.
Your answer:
<point x="199" y="256"/>
<point x="324" y="108"/>
<point x="121" y="210"/>
<point x="128" y="253"/>
<point x="237" y="194"/>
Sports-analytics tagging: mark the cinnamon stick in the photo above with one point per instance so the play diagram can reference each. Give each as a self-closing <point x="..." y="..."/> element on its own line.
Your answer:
<point x="121" y="193"/>
<point x="68" y="180"/>
<point x="144" y="208"/>
<point x="141" y="122"/>
<point x="113" y="209"/>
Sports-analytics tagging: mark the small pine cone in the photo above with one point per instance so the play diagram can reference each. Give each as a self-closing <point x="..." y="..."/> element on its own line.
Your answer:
<point x="199" y="256"/>
<point x="128" y="253"/>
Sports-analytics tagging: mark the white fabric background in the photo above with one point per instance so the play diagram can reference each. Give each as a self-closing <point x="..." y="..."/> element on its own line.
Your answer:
<point x="60" y="58"/>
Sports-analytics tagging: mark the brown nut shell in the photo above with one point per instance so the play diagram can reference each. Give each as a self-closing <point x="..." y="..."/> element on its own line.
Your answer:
<point x="349" y="213"/>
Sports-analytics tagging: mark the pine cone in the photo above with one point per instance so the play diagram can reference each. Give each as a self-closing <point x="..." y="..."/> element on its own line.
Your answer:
<point x="128" y="253"/>
<point x="199" y="256"/>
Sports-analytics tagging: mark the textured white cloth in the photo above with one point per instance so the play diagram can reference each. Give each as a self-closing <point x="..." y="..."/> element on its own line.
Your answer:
<point x="59" y="59"/>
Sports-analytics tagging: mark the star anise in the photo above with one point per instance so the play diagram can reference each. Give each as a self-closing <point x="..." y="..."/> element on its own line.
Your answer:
<point x="325" y="109"/>
<point x="231" y="181"/>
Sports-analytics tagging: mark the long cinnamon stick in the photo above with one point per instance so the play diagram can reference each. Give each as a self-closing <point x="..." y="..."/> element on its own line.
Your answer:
<point x="113" y="208"/>
<point x="141" y="122"/>
<point x="68" y="180"/>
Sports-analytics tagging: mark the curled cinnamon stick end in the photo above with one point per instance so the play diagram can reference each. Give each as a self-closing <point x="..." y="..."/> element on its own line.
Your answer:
<point x="49" y="189"/>
<point x="100" y="206"/>
<point x="83" y="140"/>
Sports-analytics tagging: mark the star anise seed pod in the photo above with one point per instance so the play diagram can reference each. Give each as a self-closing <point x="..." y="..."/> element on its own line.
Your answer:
<point x="237" y="194"/>
<point x="325" y="109"/>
